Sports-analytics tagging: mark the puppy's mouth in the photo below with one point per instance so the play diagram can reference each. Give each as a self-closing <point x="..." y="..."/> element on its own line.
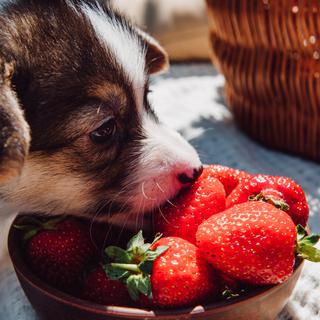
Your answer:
<point x="110" y="211"/>
<point x="130" y="218"/>
<point x="144" y="206"/>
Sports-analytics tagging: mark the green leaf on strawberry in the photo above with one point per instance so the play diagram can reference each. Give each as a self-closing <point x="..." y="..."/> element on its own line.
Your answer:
<point x="139" y="284"/>
<point x="180" y="277"/>
<point x="58" y="250"/>
<point x="305" y="246"/>
<point x="117" y="254"/>
<point x="146" y="265"/>
<point x="115" y="273"/>
<point x="134" y="266"/>
<point x="136" y="241"/>
<point x="229" y="294"/>
<point x="282" y="192"/>
<point x="32" y="226"/>
<point x="278" y="203"/>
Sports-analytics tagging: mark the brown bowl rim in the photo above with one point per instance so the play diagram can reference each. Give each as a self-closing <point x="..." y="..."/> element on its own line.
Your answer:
<point x="22" y="269"/>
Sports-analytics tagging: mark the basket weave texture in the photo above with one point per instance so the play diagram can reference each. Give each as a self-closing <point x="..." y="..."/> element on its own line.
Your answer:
<point x="269" y="53"/>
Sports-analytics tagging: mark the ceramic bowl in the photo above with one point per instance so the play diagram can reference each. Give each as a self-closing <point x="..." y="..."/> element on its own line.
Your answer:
<point x="51" y="304"/>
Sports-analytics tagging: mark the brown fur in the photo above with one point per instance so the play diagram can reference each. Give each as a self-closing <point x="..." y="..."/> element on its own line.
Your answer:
<point x="66" y="83"/>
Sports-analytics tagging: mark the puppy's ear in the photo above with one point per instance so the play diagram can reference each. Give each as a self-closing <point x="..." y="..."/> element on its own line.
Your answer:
<point x="156" y="57"/>
<point x="14" y="130"/>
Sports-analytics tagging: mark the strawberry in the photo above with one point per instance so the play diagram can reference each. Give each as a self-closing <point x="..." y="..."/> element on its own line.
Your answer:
<point x="282" y="192"/>
<point x="254" y="242"/>
<point x="99" y="289"/>
<point x="168" y="273"/>
<point x="184" y="214"/>
<point x="58" y="251"/>
<point x="229" y="177"/>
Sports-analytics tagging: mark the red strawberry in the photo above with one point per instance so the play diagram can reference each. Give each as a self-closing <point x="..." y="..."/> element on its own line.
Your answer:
<point x="229" y="177"/>
<point x="180" y="276"/>
<point x="59" y="252"/>
<point x="192" y="206"/>
<point x="170" y="272"/>
<point x="282" y="192"/>
<point x="99" y="289"/>
<point x="254" y="242"/>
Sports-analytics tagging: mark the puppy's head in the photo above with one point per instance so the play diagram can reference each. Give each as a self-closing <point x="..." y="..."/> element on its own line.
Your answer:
<point x="82" y="78"/>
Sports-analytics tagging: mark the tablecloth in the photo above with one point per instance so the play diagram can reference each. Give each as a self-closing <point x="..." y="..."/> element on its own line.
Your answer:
<point x="190" y="99"/>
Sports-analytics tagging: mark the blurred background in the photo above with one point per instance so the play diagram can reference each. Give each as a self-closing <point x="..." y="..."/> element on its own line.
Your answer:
<point x="268" y="52"/>
<point x="180" y="26"/>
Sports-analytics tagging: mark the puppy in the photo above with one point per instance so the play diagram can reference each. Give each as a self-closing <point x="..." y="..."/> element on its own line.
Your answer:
<point x="78" y="134"/>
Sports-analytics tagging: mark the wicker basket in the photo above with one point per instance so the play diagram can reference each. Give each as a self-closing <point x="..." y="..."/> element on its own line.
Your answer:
<point x="269" y="52"/>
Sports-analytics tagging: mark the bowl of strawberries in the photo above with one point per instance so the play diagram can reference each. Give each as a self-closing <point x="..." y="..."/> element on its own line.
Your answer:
<point x="230" y="246"/>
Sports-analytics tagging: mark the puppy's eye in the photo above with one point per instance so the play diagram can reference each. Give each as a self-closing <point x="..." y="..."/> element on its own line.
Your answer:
<point x="105" y="132"/>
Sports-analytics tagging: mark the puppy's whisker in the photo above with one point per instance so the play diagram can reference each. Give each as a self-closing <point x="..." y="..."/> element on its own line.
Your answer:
<point x="96" y="215"/>
<point x="159" y="187"/>
<point x="171" y="203"/>
<point x="115" y="197"/>
<point x="105" y="239"/>
<point x="142" y="190"/>
<point x="162" y="215"/>
<point x="124" y="204"/>
<point x="125" y="222"/>
<point x="120" y="210"/>
<point x="138" y="212"/>
<point x="168" y="201"/>
<point x="91" y="226"/>
<point x="144" y="193"/>
<point x="99" y="211"/>
<point x="109" y="212"/>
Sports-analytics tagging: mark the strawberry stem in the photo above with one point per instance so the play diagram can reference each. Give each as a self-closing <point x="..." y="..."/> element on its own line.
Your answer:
<point x="133" y="266"/>
<point x="278" y="203"/>
<point x="126" y="266"/>
<point x="305" y="245"/>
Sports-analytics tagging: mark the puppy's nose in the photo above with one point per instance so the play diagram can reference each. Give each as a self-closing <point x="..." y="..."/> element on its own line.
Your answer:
<point x="184" y="178"/>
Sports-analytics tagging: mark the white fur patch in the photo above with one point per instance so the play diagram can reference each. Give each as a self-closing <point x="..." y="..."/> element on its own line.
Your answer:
<point x="125" y="46"/>
<point x="169" y="148"/>
<point x="165" y="154"/>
